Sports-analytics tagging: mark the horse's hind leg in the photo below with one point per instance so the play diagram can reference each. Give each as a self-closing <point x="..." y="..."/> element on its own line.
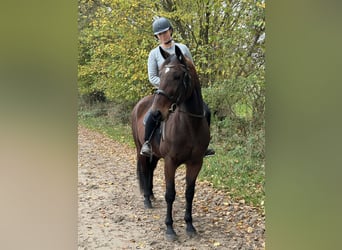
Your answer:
<point x="191" y="175"/>
<point x="153" y="165"/>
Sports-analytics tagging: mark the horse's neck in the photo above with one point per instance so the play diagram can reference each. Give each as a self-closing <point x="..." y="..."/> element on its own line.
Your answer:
<point x="194" y="104"/>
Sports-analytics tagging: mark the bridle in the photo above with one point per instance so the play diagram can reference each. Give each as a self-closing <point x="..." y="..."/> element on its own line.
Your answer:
<point x="175" y="99"/>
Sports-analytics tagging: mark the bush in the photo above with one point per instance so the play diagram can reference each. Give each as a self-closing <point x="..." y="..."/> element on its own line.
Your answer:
<point x="238" y="135"/>
<point x="96" y="105"/>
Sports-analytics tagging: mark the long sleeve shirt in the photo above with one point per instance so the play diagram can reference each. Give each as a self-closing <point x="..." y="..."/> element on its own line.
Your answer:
<point x="155" y="60"/>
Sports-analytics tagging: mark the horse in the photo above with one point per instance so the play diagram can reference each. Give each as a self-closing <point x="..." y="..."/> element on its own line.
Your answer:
<point x="184" y="134"/>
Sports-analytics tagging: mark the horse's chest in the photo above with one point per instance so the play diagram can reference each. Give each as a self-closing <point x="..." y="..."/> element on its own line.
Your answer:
<point x="183" y="135"/>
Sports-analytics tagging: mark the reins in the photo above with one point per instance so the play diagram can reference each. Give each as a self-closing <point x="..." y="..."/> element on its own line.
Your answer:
<point x="193" y="115"/>
<point x="174" y="105"/>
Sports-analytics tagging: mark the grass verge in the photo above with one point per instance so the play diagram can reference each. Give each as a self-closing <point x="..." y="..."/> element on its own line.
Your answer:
<point x="240" y="177"/>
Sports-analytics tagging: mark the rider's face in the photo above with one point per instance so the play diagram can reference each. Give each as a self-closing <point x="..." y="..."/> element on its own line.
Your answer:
<point x="164" y="36"/>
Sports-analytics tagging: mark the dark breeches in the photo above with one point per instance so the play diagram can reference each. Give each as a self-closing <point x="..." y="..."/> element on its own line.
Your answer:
<point x="207" y="113"/>
<point x="152" y="121"/>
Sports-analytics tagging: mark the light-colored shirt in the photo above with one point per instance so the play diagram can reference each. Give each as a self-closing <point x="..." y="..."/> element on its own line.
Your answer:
<point x="155" y="60"/>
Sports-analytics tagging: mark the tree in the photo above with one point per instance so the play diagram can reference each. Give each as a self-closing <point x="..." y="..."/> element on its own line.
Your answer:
<point x="226" y="39"/>
<point x="115" y="39"/>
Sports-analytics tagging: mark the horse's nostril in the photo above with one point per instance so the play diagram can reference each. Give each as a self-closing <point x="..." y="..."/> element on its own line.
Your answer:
<point x="156" y="115"/>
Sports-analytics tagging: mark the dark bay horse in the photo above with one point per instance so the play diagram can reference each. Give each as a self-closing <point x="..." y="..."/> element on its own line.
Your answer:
<point x="185" y="135"/>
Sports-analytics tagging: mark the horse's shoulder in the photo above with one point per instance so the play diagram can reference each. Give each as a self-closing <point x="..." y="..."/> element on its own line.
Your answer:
<point x="144" y="103"/>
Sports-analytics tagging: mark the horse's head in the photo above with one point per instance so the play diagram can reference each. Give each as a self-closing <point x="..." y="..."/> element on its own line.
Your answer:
<point x="175" y="82"/>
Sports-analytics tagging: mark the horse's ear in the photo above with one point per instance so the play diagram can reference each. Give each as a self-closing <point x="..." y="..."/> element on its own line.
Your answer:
<point x="163" y="53"/>
<point x="179" y="55"/>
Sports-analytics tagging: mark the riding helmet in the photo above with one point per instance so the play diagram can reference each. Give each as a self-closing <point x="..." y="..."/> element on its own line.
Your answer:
<point x="161" y="25"/>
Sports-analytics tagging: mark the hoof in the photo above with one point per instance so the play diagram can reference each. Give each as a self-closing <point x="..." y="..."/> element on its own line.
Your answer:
<point x="147" y="204"/>
<point x="191" y="234"/>
<point x="191" y="231"/>
<point x="171" y="235"/>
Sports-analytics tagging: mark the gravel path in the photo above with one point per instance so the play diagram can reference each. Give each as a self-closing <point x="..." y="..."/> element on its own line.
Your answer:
<point x="112" y="215"/>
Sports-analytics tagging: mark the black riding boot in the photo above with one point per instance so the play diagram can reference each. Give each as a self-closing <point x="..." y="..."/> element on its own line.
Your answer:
<point x="152" y="121"/>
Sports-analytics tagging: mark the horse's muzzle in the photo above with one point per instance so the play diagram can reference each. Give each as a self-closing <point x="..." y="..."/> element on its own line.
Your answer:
<point x="157" y="116"/>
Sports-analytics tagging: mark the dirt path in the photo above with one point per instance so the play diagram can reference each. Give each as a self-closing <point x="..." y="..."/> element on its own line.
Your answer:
<point x="112" y="215"/>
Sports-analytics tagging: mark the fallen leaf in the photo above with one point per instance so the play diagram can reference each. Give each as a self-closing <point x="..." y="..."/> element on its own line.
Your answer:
<point x="216" y="244"/>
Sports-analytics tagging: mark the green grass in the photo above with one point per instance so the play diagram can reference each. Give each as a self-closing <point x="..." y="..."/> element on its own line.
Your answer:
<point x="117" y="131"/>
<point x="231" y="169"/>
<point x="242" y="178"/>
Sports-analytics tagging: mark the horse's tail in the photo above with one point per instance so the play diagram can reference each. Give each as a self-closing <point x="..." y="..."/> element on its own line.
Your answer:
<point x="145" y="170"/>
<point x="134" y="118"/>
<point x="145" y="165"/>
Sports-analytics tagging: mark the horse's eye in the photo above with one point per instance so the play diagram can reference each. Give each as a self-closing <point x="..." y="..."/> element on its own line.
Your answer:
<point x="177" y="77"/>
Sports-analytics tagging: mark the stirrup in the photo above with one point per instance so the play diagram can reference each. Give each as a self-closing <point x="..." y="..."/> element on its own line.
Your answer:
<point x="146" y="149"/>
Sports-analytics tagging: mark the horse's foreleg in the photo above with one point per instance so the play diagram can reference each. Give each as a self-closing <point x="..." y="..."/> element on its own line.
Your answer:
<point x="170" y="196"/>
<point x="191" y="175"/>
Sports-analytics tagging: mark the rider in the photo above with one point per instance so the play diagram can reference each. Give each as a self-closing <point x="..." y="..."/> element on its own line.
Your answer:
<point x="163" y="30"/>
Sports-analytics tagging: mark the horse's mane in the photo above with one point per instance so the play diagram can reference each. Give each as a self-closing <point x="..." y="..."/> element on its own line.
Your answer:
<point x="193" y="72"/>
